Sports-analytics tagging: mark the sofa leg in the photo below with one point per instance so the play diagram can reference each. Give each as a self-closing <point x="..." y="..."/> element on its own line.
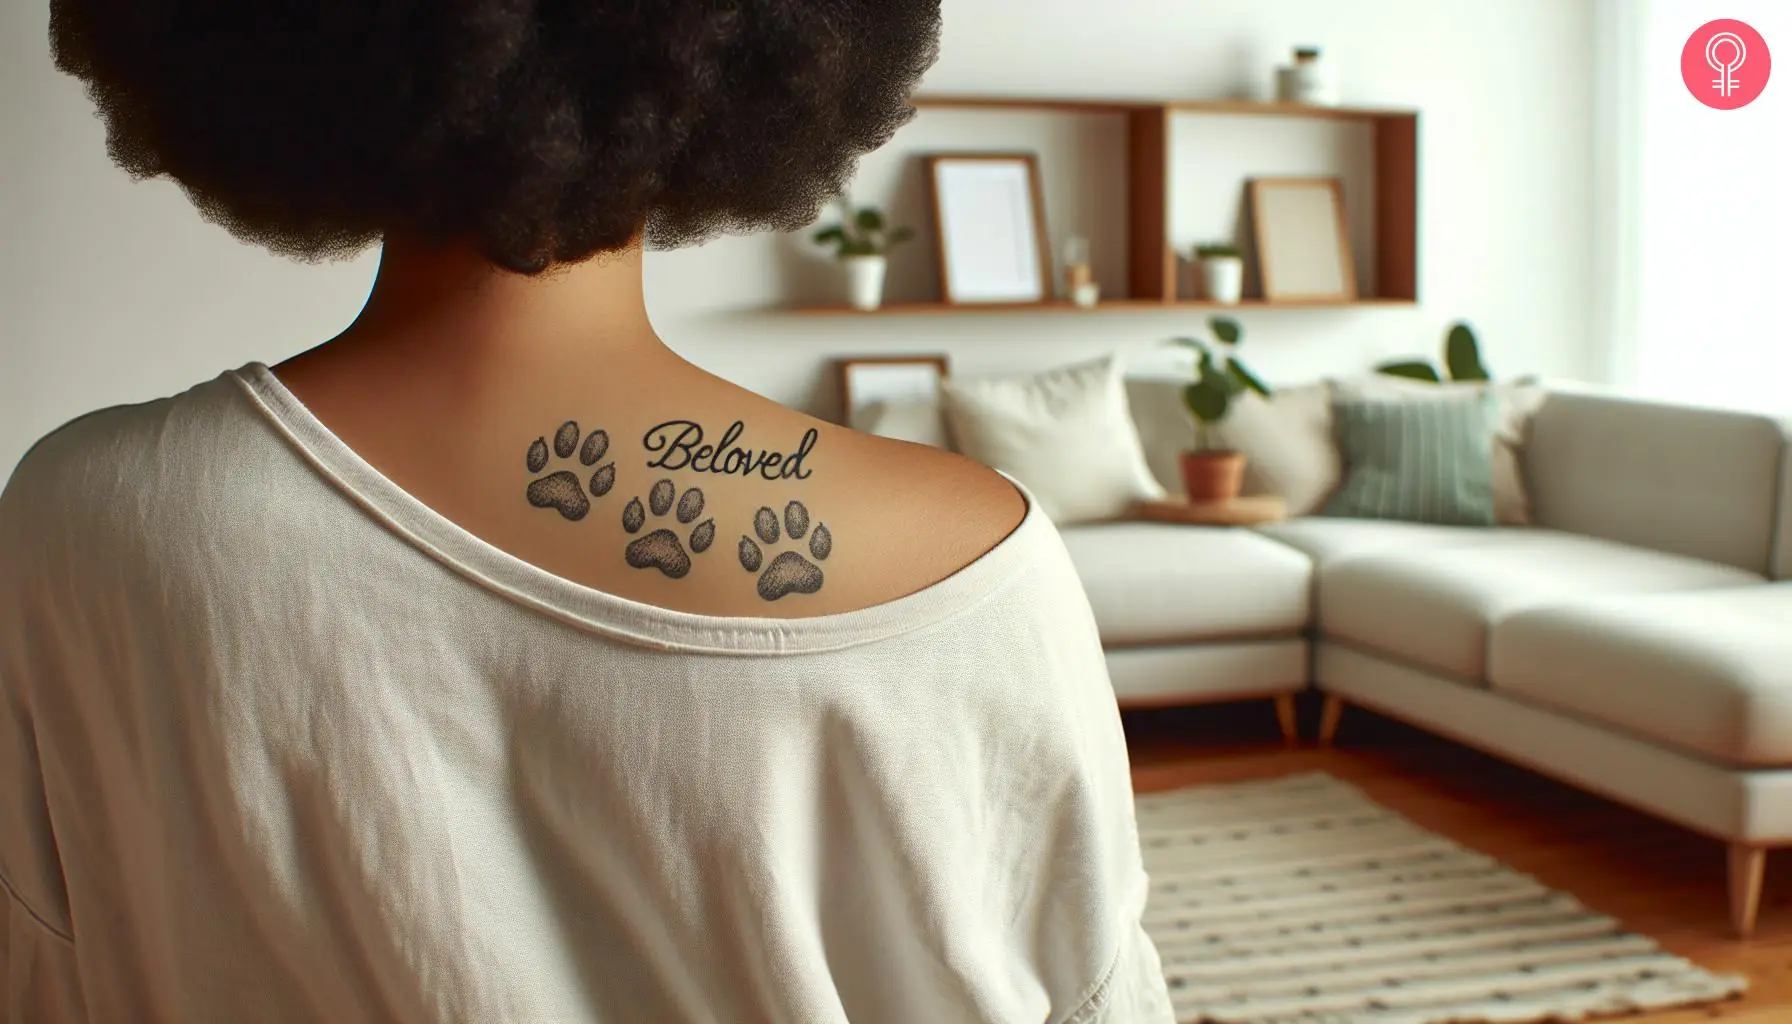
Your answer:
<point x="1328" y="719"/>
<point x="1748" y="866"/>
<point x="1289" y="722"/>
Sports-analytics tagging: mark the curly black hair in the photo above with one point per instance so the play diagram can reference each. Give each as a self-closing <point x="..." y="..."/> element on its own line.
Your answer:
<point x="540" y="131"/>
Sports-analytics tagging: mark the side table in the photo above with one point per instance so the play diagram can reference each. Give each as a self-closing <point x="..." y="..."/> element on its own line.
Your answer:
<point x="1237" y="512"/>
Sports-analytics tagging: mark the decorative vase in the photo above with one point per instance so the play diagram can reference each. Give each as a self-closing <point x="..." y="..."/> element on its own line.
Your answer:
<point x="1212" y="476"/>
<point x="865" y="279"/>
<point x="1223" y="278"/>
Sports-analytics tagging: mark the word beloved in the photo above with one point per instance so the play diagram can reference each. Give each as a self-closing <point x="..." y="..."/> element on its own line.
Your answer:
<point x="680" y="443"/>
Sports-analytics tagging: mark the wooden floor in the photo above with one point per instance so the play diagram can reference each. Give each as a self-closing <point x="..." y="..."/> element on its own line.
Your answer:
<point x="1659" y="880"/>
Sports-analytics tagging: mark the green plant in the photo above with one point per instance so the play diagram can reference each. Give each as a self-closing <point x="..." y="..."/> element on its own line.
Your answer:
<point x="1216" y="249"/>
<point x="862" y="232"/>
<point x="1219" y="377"/>
<point x="1462" y="360"/>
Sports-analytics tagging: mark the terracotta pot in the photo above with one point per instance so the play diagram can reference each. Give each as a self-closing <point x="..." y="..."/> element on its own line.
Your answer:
<point x="1212" y="476"/>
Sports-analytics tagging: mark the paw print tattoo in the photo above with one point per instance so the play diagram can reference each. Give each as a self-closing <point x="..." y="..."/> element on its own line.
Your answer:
<point x="662" y="549"/>
<point x="789" y="572"/>
<point x="563" y="491"/>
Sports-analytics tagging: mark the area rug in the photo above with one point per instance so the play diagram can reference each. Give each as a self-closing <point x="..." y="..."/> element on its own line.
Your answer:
<point x="1301" y="901"/>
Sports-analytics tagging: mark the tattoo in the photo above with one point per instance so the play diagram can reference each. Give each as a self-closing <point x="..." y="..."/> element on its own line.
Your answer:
<point x="562" y="490"/>
<point x="789" y="572"/>
<point x="682" y="447"/>
<point x="662" y="549"/>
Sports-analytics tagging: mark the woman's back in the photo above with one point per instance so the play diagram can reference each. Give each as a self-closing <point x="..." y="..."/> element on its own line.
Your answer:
<point x="488" y="662"/>
<point x="551" y="451"/>
<point x="314" y="752"/>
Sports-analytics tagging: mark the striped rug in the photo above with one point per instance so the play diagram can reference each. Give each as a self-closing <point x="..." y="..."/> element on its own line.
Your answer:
<point x="1301" y="900"/>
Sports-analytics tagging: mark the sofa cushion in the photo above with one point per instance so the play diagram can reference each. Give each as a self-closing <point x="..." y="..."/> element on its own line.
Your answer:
<point x="1326" y="540"/>
<point x="1417" y="460"/>
<point x="1065" y="434"/>
<point x="1434" y="606"/>
<point x="1160" y="583"/>
<point x="1696" y="482"/>
<point x="1709" y="671"/>
<point x="1517" y="401"/>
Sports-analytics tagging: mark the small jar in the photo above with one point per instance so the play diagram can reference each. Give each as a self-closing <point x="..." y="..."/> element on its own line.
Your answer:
<point x="1309" y="80"/>
<point x="1078" y="272"/>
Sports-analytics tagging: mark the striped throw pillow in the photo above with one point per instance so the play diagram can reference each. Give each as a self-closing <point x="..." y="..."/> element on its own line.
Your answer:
<point x="1426" y="460"/>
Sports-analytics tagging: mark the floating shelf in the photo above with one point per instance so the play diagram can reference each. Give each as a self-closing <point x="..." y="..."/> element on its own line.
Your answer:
<point x="1106" y="306"/>
<point x="1152" y="282"/>
<point x="1249" y="108"/>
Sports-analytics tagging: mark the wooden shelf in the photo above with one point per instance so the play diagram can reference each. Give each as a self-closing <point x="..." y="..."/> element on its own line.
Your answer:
<point x="1106" y="306"/>
<point x="1247" y="108"/>
<point x="1154" y="276"/>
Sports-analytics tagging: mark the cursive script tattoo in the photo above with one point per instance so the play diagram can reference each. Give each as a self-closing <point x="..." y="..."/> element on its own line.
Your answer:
<point x="679" y="445"/>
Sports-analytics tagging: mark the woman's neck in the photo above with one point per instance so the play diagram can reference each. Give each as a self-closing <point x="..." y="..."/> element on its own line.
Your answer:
<point x="462" y="307"/>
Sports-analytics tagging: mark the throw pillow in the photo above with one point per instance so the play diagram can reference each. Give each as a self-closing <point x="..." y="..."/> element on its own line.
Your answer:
<point x="1426" y="460"/>
<point x="1286" y="439"/>
<point x="1517" y="401"/>
<point x="918" y="422"/>
<point x="1066" y="435"/>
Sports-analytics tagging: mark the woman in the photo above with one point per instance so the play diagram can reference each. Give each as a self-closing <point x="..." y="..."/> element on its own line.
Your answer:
<point x="488" y="662"/>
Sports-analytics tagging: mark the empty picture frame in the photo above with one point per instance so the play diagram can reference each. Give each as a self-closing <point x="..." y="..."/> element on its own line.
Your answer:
<point x="868" y="382"/>
<point x="1303" y="246"/>
<point x="989" y="218"/>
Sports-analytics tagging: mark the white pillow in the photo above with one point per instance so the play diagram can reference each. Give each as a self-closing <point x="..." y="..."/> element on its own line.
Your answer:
<point x="1065" y="434"/>
<point x="1517" y="402"/>
<point x="1286" y="440"/>
<point x="919" y="422"/>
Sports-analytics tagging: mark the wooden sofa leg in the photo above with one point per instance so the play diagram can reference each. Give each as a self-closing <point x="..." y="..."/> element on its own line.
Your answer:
<point x="1289" y="722"/>
<point x="1328" y="719"/>
<point x="1748" y="866"/>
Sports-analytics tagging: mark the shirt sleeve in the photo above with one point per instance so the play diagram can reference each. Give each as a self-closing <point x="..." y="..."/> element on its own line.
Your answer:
<point x="1140" y="995"/>
<point x="37" y="957"/>
<point x="36" y="942"/>
<point x="38" y="980"/>
<point x="1134" y="990"/>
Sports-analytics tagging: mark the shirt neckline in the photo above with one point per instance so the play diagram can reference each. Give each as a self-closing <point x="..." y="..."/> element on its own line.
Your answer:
<point x="602" y="612"/>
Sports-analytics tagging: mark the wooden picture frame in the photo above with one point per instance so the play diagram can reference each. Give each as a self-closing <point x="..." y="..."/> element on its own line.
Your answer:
<point x="1303" y="243"/>
<point x="989" y="226"/>
<point x="868" y="380"/>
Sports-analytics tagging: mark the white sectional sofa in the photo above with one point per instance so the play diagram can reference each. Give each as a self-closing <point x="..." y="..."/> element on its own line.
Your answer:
<point x="1635" y="641"/>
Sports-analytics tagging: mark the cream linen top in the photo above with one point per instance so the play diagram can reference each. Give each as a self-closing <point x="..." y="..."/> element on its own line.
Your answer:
<point x="280" y="743"/>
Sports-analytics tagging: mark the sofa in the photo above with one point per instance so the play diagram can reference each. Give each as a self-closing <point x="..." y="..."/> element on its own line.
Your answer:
<point x="1635" y="640"/>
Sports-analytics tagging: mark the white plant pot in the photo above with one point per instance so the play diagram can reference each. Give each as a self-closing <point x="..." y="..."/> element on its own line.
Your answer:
<point x="865" y="280"/>
<point x="1222" y="277"/>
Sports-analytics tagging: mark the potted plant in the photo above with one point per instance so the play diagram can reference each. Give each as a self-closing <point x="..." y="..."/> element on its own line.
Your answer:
<point x="1462" y="360"/>
<point x="1222" y="272"/>
<point x="1210" y="474"/>
<point x="862" y="242"/>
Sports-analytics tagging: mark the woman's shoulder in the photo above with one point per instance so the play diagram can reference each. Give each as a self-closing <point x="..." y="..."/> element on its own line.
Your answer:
<point x="901" y="516"/>
<point x="74" y="465"/>
<point x="965" y="507"/>
<point x="117" y="471"/>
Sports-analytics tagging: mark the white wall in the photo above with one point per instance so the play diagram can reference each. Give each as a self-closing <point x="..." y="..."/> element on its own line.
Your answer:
<point x="1715" y="222"/>
<point x="113" y="291"/>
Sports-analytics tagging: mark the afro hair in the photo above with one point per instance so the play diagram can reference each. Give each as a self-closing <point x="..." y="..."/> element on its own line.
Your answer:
<point x="540" y="131"/>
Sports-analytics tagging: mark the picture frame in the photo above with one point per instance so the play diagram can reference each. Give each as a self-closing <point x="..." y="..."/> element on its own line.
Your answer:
<point x="1303" y="242"/>
<point x="866" y="381"/>
<point x="989" y="225"/>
